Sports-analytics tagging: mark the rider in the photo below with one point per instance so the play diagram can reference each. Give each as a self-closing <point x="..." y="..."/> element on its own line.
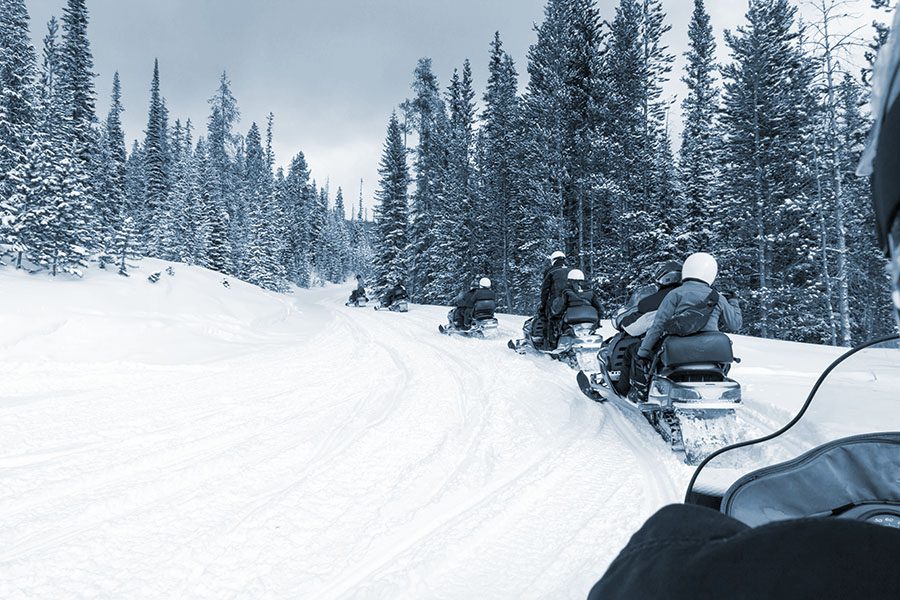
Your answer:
<point x="555" y="281"/>
<point x="697" y="276"/>
<point x="575" y="294"/>
<point x="686" y="552"/>
<point x="395" y="294"/>
<point x="636" y="317"/>
<point x="480" y="291"/>
<point x="360" y="292"/>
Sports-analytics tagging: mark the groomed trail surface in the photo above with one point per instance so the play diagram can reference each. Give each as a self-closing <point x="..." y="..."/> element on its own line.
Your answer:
<point x="184" y="440"/>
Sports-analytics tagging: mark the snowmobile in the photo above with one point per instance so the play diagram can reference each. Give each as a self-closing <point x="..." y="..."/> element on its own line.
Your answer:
<point x="837" y="458"/>
<point x="691" y="401"/>
<point x="483" y="324"/>
<point x="578" y="341"/>
<point x="401" y="305"/>
<point x="359" y="302"/>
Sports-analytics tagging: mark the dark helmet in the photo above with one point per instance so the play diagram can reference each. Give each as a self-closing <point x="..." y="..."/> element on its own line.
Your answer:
<point x="668" y="273"/>
<point x="881" y="159"/>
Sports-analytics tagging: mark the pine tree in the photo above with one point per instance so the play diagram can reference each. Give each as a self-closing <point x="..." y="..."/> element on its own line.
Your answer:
<point x="698" y="142"/>
<point x="769" y="240"/>
<point x="110" y="204"/>
<point x="391" y="220"/>
<point x="17" y="100"/>
<point x="214" y="250"/>
<point x="156" y="180"/>
<point x="221" y="171"/>
<point x="297" y="199"/>
<point x="76" y="93"/>
<point x="497" y="151"/>
<point x="264" y="266"/>
<point x="125" y="246"/>
<point x="430" y="122"/>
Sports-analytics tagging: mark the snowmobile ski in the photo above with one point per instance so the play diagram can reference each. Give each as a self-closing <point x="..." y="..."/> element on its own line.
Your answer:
<point x="587" y="388"/>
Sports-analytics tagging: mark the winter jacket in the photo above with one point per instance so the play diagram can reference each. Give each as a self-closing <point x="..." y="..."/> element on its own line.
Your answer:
<point x="467" y="300"/>
<point x="573" y="296"/>
<point x="686" y="552"/>
<point x="636" y="317"/>
<point x="555" y="281"/>
<point x="359" y="292"/>
<point x="690" y="293"/>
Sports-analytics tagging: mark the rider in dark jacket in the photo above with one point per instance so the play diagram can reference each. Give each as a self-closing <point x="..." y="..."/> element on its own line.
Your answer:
<point x="360" y="291"/>
<point x="395" y="294"/>
<point x="575" y="295"/>
<point x="555" y="281"/>
<point x="480" y="291"/>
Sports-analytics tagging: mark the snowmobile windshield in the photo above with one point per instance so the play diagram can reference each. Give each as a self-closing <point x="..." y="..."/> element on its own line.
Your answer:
<point x="847" y="431"/>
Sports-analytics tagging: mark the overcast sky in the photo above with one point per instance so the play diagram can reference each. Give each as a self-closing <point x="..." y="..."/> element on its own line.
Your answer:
<point x="330" y="70"/>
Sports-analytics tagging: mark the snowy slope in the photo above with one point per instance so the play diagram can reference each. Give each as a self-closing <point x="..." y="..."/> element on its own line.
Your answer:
<point x="184" y="439"/>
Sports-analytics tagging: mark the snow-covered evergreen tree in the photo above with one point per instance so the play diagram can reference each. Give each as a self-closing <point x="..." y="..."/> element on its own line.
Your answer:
<point x="110" y="203"/>
<point x="391" y="214"/>
<point x="768" y="244"/>
<point x="298" y="199"/>
<point x="77" y="97"/>
<point x="497" y="151"/>
<point x="430" y="123"/>
<point x="17" y="98"/>
<point x="156" y="176"/>
<point x="221" y="177"/>
<point x="264" y="266"/>
<point x="699" y="144"/>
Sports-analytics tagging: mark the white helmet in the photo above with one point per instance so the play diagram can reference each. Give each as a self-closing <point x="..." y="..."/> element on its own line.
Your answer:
<point x="484" y="282"/>
<point x="576" y="275"/>
<point x="556" y="255"/>
<point x="700" y="266"/>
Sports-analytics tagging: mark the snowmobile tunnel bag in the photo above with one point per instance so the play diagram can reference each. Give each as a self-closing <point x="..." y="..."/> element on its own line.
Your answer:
<point x="706" y="347"/>
<point x="849" y="477"/>
<point x="576" y="315"/>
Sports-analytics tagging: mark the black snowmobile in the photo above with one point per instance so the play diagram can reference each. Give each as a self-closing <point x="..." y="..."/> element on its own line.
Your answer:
<point x="359" y="301"/>
<point x="578" y="342"/>
<point x="401" y="305"/>
<point x="691" y="401"/>
<point x="838" y="458"/>
<point x="484" y="323"/>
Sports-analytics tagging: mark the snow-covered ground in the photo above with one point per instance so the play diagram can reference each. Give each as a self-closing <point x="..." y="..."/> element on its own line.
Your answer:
<point x="184" y="439"/>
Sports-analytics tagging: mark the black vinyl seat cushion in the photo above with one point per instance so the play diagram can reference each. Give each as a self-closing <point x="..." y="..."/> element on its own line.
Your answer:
<point x="705" y="347"/>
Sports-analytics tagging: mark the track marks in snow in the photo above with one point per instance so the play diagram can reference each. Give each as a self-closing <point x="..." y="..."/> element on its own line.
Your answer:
<point x="359" y="454"/>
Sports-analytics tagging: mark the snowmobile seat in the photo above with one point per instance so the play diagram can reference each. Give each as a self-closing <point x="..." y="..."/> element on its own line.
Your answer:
<point x="577" y="315"/>
<point x="484" y="309"/>
<point x="706" y="347"/>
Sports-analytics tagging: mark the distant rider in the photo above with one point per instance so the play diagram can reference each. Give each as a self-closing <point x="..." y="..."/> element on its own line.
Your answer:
<point x="395" y="294"/>
<point x="359" y="293"/>
<point x="479" y="291"/>
<point x="555" y="281"/>
<point x="574" y="295"/>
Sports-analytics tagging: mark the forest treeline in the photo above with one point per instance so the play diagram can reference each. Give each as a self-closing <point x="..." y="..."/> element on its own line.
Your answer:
<point x="583" y="162"/>
<point x="71" y="194"/>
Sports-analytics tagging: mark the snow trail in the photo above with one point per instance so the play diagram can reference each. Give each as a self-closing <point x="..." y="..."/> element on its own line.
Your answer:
<point x="183" y="441"/>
